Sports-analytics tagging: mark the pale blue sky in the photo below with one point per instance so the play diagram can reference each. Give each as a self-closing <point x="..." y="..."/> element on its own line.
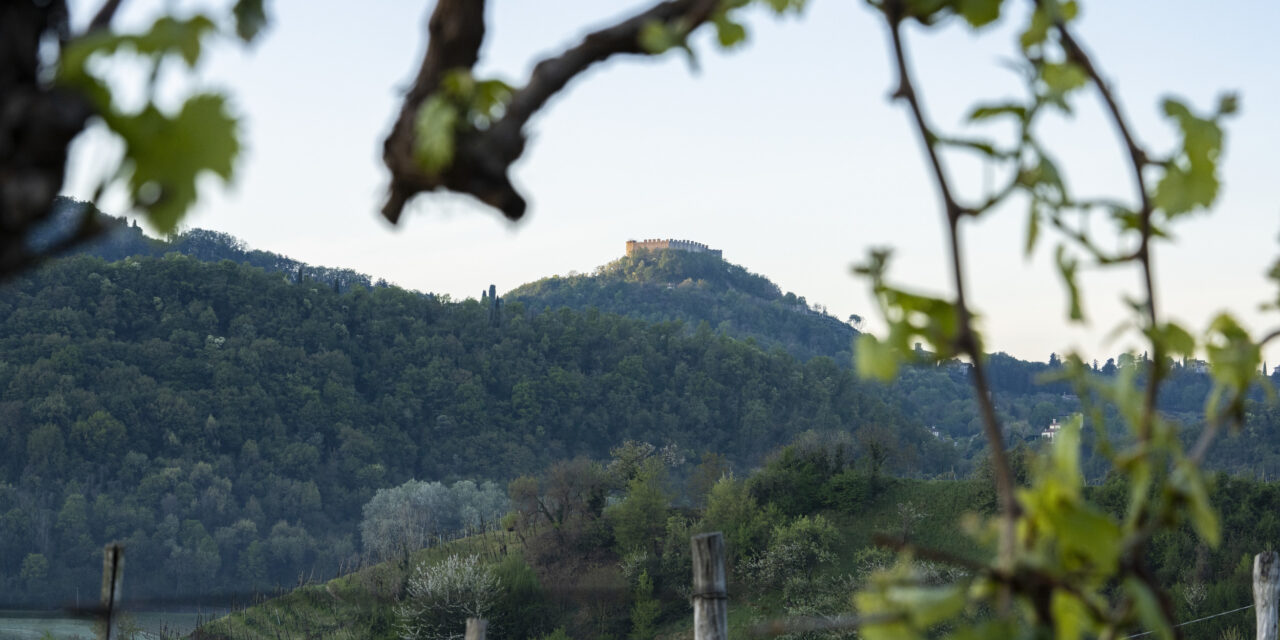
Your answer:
<point x="786" y="154"/>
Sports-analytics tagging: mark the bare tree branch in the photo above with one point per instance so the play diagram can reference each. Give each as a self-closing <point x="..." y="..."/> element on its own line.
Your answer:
<point x="1138" y="160"/>
<point x="455" y="33"/>
<point x="483" y="158"/>
<point x="966" y="339"/>
<point x="1275" y="333"/>
<point x="102" y="19"/>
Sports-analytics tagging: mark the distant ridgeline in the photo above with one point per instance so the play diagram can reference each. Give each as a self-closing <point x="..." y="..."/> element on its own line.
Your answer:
<point x="122" y="240"/>
<point x="686" y="281"/>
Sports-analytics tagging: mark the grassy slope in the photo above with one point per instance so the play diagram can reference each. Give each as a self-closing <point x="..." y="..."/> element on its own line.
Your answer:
<point x="361" y="605"/>
<point x="944" y="504"/>
<point x="356" y="605"/>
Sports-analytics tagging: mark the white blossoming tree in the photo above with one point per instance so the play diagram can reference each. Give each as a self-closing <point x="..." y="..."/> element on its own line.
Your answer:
<point x="441" y="596"/>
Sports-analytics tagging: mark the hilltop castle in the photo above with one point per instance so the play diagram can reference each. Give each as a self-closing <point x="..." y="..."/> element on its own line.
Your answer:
<point x="655" y="244"/>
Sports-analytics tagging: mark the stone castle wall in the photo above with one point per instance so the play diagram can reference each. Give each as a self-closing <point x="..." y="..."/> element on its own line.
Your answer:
<point x="656" y="244"/>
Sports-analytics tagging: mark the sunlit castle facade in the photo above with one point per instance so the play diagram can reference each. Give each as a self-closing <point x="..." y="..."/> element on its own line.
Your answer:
<point x="655" y="244"/>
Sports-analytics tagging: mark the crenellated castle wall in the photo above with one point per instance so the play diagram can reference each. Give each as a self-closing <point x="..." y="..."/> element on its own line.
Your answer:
<point x="656" y="244"/>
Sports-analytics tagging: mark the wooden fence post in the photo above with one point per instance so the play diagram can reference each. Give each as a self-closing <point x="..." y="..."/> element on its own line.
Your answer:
<point x="1266" y="588"/>
<point x="112" y="580"/>
<point x="710" y="599"/>
<point x="476" y="628"/>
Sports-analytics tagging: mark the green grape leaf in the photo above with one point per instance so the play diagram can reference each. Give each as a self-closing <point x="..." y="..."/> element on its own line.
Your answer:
<point x="173" y="35"/>
<point x="436" y="129"/>
<point x="490" y="95"/>
<point x="782" y="6"/>
<point x="1274" y="275"/>
<point x="166" y="35"/>
<point x="1064" y="457"/>
<point x="250" y="17"/>
<point x="1067" y="267"/>
<point x="979" y="13"/>
<point x="1202" y="137"/>
<point x="1033" y="227"/>
<point x="657" y="37"/>
<point x="926" y="11"/>
<point x="1063" y="78"/>
<point x="987" y="111"/>
<point x="912" y="315"/>
<point x="476" y="102"/>
<point x="1228" y="104"/>
<point x="927" y="606"/>
<point x="1042" y="18"/>
<point x="1037" y="30"/>
<point x="1148" y="607"/>
<point x="875" y="359"/>
<point x="1234" y="359"/>
<point x="984" y="147"/>
<point x="1175" y="339"/>
<point x="163" y="155"/>
<point x="1188" y="482"/>
<point x="166" y="155"/>
<point x="1127" y="220"/>
<point x="902" y="606"/>
<point x="1084" y="533"/>
<point x="1083" y="537"/>
<point x="999" y="628"/>
<point x="728" y="32"/>
<point x="459" y="83"/>
<point x="1181" y="191"/>
<point x="1140" y="479"/>
<point x="1044" y="180"/>
<point x="1190" y="180"/>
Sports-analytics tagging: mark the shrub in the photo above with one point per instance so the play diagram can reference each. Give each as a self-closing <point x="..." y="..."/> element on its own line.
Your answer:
<point x="441" y="596"/>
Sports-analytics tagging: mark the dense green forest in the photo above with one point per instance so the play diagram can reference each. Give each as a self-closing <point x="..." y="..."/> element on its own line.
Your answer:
<point x="801" y="533"/>
<point x="229" y="423"/>
<point x="229" y="413"/>
<point x="695" y="288"/>
<point x="701" y="288"/>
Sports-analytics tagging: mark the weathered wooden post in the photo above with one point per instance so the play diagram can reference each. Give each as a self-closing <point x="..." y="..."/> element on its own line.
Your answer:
<point x="112" y="580"/>
<point x="1266" y="588"/>
<point x="710" y="598"/>
<point x="476" y="628"/>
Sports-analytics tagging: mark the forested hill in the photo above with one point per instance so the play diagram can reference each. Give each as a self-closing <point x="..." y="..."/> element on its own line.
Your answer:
<point x="121" y="240"/>
<point x="229" y="423"/>
<point x="696" y="288"/>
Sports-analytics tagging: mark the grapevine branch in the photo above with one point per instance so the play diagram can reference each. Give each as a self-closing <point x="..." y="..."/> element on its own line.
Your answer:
<point x="1026" y="579"/>
<point x="102" y="19"/>
<point x="1138" y="160"/>
<point x="966" y="338"/>
<point x="483" y="158"/>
